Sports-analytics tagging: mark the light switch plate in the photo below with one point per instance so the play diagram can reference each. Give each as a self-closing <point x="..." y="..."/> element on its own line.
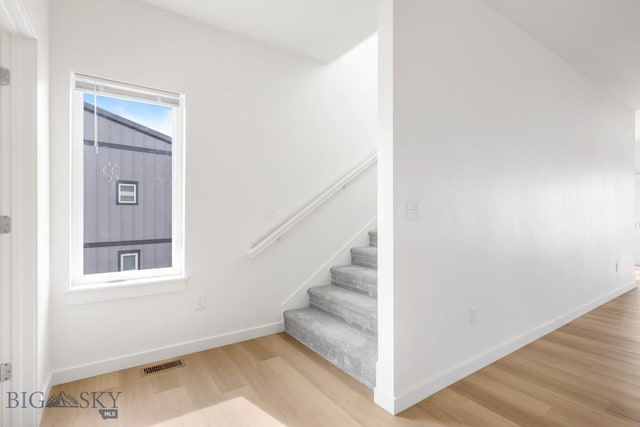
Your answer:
<point x="5" y="225"/>
<point x="412" y="211"/>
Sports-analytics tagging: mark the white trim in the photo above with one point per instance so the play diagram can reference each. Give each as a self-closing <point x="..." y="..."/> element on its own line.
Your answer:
<point x="127" y="289"/>
<point x="14" y="19"/>
<point x="136" y="262"/>
<point x="122" y="192"/>
<point x="136" y="359"/>
<point x="129" y="91"/>
<point x="274" y="234"/>
<point x="45" y="388"/>
<point x="439" y="381"/>
<point x="99" y="280"/>
<point x="25" y="224"/>
<point x="384" y="400"/>
<point x="6" y="315"/>
<point x="23" y="203"/>
<point x="300" y="298"/>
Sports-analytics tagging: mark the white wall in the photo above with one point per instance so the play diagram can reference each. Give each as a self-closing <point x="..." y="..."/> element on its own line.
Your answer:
<point x="38" y="14"/>
<point x="264" y="128"/>
<point x="637" y="193"/>
<point x="385" y="368"/>
<point x="524" y="170"/>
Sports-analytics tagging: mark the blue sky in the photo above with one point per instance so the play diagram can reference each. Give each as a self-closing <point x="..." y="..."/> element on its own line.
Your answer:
<point x="156" y="117"/>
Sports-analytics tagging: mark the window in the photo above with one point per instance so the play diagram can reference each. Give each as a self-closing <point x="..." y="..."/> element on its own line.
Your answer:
<point x="129" y="260"/>
<point x="127" y="146"/>
<point x="127" y="192"/>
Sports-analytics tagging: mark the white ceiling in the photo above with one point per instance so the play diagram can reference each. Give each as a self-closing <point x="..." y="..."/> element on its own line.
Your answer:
<point x="319" y="29"/>
<point x="601" y="38"/>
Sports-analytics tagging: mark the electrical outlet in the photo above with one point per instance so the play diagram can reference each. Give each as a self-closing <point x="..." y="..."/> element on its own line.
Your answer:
<point x="473" y="315"/>
<point x="412" y="211"/>
<point x="201" y="303"/>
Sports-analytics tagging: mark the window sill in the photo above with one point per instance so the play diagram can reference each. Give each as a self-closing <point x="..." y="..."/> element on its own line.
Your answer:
<point x="102" y="292"/>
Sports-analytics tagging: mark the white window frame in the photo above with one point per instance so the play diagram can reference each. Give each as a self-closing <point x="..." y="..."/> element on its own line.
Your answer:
<point x="135" y="254"/>
<point x="120" y="192"/>
<point x="81" y="84"/>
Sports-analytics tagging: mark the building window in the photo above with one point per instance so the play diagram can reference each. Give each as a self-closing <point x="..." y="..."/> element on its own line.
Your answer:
<point x="129" y="260"/>
<point x="126" y="138"/>
<point x="126" y="192"/>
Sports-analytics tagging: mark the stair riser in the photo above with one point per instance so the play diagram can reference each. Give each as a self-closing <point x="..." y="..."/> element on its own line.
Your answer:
<point x="349" y="363"/>
<point x="363" y="322"/>
<point x="364" y="260"/>
<point x="355" y="283"/>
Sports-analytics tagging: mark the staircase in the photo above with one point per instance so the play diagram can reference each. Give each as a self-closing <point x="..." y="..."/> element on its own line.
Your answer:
<point x="341" y="322"/>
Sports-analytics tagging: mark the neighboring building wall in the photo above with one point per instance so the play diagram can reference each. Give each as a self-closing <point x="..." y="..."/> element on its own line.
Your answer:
<point x="524" y="170"/>
<point x="130" y="152"/>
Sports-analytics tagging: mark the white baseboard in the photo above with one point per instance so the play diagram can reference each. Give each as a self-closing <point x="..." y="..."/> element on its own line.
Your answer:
<point x="436" y="383"/>
<point x="142" y="358"/>
<point x="45" y="388"/>
<point x="384" y="400"/>
<point x="322" y="276"/>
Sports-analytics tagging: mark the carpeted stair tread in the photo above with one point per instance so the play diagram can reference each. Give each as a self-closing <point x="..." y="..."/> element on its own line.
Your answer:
<point x="356" y="309"/>
<point x="351" y="350"/>
<point x="356" y="278"/>
<point x="366" y="256"/>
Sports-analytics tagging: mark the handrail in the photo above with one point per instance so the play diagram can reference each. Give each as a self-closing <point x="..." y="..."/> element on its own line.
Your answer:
<point x="278" y="231"/>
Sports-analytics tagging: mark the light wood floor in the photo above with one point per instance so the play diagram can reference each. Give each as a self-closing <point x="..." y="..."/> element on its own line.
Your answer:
<point x="584" y="374"/>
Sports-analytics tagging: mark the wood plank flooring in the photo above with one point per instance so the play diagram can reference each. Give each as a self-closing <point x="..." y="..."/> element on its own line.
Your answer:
<point x="584" y="374"/>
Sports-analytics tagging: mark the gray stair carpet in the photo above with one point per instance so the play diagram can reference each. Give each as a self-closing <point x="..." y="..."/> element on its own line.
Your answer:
<point x="366" y="256"/>
<point x="341" y="322"/>
<point x="355" y="309"/>
<point x="356" y="278"/>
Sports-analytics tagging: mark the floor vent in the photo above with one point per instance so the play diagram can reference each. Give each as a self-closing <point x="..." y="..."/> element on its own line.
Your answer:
<point x="163" y="367"/>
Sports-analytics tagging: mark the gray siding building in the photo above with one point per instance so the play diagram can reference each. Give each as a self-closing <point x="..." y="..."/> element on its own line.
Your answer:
<point x="127" y="194"/>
